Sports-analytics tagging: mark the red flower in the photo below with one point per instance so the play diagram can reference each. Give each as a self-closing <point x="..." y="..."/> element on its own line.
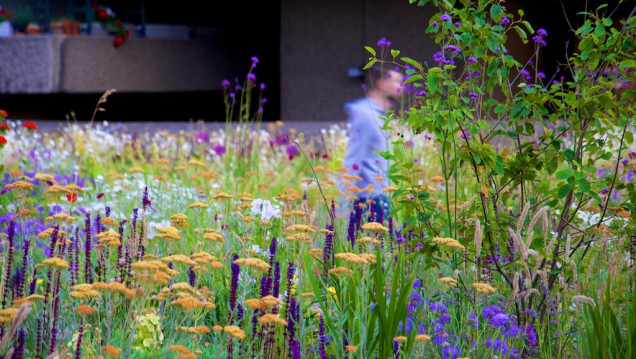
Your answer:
<point x="3" y="11"/>
<point x="355" y="167"/>
<point x="127" y="32"/>
<point x="71" y="197"/>
<point x="4" y="113"/>
<point x="4" y="190"/>
<point x="30" y="125"/>
<point x="3" y="141"/>
<point x="119" y="40"/>
<point x="100" y="195"/>
<point x="102" y="14"/>
<point x="118" y="24"/>
<point x="4" y="127"/>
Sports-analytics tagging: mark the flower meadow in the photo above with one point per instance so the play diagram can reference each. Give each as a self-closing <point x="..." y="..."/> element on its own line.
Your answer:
<point x="511" y="232"/>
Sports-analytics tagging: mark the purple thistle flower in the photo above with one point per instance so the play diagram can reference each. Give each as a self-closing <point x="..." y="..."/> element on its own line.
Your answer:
<point x="219" y="149"/>
<point x="254" y="61"/>
<point x="291" y="150"/>
<point x="605" y="191"/>
<point x="251" y="77"/>
<point x="262" y="86"/>
<point x="471" y="59"/>
<point x="439" y="57"/>
<point x="234" y="284"/>
<point x="321" y="338"/>
<point x="445" y="17"/>
<point x="539" y="40"/>
<point x="191" y="276"/>
<point x="457" y="24"/>
<point x="453" y="48"/>
<point x="225" y="83"/>
<point x="276" y="280"/>
<point x="88" y="275"/>
<point x="473" y="95"/>
<point x="542" y="32"/>
<point x="145" y="201"/>
<point x="504" y="21"/>
<point x="351" y="230"/>
<point x="421" y="93"/>
<point x="434" y="24"/>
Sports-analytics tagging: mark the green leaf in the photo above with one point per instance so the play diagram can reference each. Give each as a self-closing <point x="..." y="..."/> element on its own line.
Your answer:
<point x="413" y="78"/>
<point x="371" y="50"/>
<point x="569" y="154"/>
<point x="564" y="190"/>
<point x="412" y="62"/>
<point x="395" y="53"/>
<point x="564" y="174"/>
<point x="495" y="10"/>
<point x="631" y="63"/>
<point x="373" y="61"/>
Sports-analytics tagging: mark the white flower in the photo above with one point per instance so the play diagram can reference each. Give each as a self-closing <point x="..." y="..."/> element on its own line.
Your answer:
<point x="265" y="209"/>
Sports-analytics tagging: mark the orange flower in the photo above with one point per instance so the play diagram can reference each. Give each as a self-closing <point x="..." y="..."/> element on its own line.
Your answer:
<point x="71" y="197"/>
<point x="30" y="125"/>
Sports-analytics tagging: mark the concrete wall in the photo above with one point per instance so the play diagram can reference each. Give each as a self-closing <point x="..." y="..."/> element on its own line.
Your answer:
<point x="321" y="39"/>
<point x="78" y="64"/>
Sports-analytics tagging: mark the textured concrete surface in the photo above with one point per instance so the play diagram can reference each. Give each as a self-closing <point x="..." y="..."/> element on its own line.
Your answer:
<point x="81" y="64"/>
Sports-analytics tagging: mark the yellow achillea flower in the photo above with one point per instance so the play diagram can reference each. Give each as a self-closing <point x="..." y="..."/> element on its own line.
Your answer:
<point x="56" y="263"/>
<point x="340" y="270"/>
<point x="136" y="170"/>
<point x="300" y="228"/>
<point x="400" y="339"/>
<point x="351" y="348"/>
<point x="365" y="240"/>
<point x="374" y="227"/>
<point x="162" y="161"/>
<point x="253" y="262"/>
<point x="61" y="217"/>
<point x="217" y="328"/>
<point x="109" y="222"/>
<point x="437" y="179"/>
<point x="197" y="163"/>
<point x="109" y="237"/>
<point x="448" y="280"/>
<point x="301" y="237"/>
<point x="84" y="309"/>
<point x="179" y="348"/>
<point x="214" y="237"/>
<point x="315" y="252"/>
<point x="168" y="233"/>
<point x="234" y="331"/>
<point x="320" y="168"/>
<point x="591" y="209"/>
<point x="623" y="214"/>
<point x="114" y="287"/>
<point x="390" y="189"/>
<point x="179" y="220"/>
<point x="222" y="195"/>
<point x="20" y="185"/>
<point x="183" y="286"/>
<point x="202" y="257"/>
<point x="56" y="190"/>
<point x="111" y="351"/>
<point x="484" y="288"/>
<point x="216" y="265"/>
<point x="284" y="197"/>
<point x="422" y="338"/>
<point x="84" y="294"/>
<point x="44" y="177"/>
<point x="269" y="318"/>
<point x="270" y="301"/>
<point x="307" y="295"/>
<point x="351" y="258"/>
<point x="199" y="205"/>
<point x="254" y="303"/>
<point x="449" y="242"/>
<point x="74" y="188"/>
<point x="25" y="212"/>
<point x="192" y="303"/>
<point x="368" y="257"/>
<point x="179" y="258"/>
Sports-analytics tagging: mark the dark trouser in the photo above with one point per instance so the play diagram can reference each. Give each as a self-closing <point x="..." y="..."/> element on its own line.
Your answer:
<point x="380" y="205"/>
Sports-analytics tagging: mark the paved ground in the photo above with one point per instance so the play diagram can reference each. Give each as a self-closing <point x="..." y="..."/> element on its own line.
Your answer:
<point x="308" y="128"/>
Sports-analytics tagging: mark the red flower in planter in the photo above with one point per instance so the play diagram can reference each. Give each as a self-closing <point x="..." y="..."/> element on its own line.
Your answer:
<point x="30" y="125"/>
<point x="3" y="141"/>
<point x="4" y="127"/>
<point x="71" y="197"/>
<point x="102" y="14"/>
<point x="119" y="40"/>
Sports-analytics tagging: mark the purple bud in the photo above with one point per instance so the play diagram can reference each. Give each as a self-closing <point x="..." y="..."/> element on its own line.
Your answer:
<point x="504" y="21"/>
<point x="225" y="83"/>
<point x="445" y="17"/>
